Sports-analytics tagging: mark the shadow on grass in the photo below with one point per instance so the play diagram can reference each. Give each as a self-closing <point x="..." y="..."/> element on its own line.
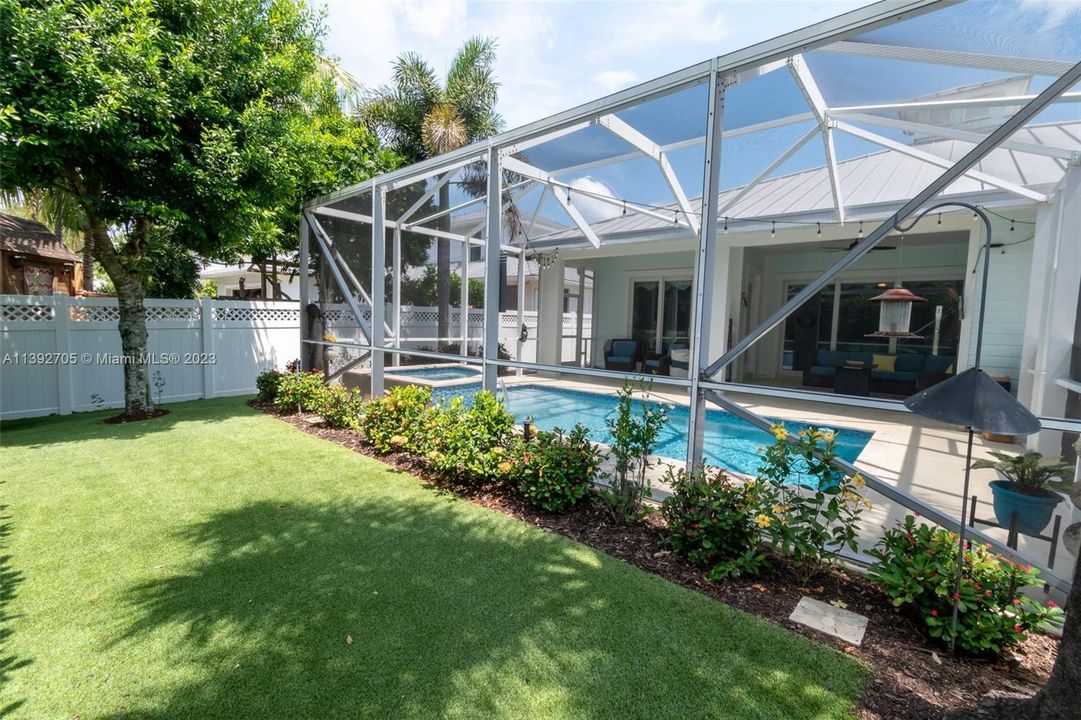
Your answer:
<point x="450" y="615"/>
<point x="57" y="429"/>
<point x="9" y="581"/>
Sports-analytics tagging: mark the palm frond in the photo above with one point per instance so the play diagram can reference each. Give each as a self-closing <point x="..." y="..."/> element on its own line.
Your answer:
<point x="443" y="130"/>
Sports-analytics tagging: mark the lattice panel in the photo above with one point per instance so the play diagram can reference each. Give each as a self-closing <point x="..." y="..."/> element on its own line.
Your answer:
<point x="94" y="313"/>
<point x="28" y="313"/>
<point x="243" y="314"/>
<point x="172" y="313"/>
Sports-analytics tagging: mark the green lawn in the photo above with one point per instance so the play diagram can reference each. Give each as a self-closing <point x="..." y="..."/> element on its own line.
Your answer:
<point x="211" y="564"/>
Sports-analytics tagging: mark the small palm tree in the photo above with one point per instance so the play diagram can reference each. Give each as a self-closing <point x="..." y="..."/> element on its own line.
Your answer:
<point x="420" y="117"/>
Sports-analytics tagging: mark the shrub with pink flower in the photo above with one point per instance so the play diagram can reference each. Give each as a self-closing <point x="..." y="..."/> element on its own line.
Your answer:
<point x="917" y="565"/>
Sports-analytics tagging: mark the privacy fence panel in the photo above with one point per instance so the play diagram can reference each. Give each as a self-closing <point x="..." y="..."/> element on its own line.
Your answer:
<point x="62" y="355"/>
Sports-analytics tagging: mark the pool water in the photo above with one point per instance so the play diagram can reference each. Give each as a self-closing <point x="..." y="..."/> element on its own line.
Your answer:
<point x="730" y="442"/>
<point x="450" y="372"/>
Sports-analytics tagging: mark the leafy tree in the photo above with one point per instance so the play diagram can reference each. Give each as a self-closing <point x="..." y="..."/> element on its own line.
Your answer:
<point x="199" y="124"/>
<point x="421" y="117"/>
<point x="422" y="290"/>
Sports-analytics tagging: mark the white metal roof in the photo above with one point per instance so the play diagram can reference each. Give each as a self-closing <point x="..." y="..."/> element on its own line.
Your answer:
<point x="872" y="180"/>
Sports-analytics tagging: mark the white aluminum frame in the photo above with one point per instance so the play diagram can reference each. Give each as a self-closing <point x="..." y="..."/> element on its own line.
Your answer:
<point x="719" y="73"/>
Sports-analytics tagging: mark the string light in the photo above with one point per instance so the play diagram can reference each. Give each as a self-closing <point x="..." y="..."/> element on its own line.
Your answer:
<point x="626" y="203"/>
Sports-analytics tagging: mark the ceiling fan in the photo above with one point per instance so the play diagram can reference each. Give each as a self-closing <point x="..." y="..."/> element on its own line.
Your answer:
<point x="854" y="243"/>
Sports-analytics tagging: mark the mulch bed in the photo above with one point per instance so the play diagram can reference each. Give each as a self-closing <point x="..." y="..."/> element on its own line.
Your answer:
<point x="912" y="676"/>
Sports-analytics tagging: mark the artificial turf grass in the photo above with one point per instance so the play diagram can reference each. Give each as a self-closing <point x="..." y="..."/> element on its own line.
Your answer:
<point x="211" y="564"/>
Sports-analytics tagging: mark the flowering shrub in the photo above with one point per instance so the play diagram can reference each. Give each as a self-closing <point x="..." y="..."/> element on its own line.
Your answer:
<point x="299" y="391"/>
<point x="810" y="524"/>
<point x="396" y="421"/>
<point x="468" y="443"/>
<point x="554" y="471"/>
<point x="917" y="566"/>
<point x="340" y="407"/>
<point x="711" y="521"/>
<point x="266" y="385"/>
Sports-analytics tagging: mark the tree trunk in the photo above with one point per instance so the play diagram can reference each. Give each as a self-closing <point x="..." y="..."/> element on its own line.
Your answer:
<point x="88" y="259"/>
<point x="1061" y="696"/>
<point x="130" y="292"/>
<point x="442" y="270"/>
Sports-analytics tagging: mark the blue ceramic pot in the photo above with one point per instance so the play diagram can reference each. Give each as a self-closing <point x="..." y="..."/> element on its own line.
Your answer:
<point x="1033" y="511"/>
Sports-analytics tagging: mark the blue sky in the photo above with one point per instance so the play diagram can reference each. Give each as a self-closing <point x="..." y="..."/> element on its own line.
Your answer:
<point x="554" y="55"/>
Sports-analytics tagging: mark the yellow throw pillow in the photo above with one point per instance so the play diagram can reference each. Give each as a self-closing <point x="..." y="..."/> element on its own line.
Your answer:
<point x="885" y="363"/>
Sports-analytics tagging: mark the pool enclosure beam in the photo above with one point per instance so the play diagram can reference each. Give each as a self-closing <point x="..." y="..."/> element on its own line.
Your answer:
<point x="958" y="169"/>
<point x="378" y="299"/>
<point x="745" y="60"/>
<point x="493" y="236"/>
<point x="807" y="85"/>
<point x="332" y="265"/>
<point x="963" y="135"/>
<point x="952" y="58"/>
<point x="940" y="162"/>
<point x="561" y="193"/>
<point x="705" y="260"/>
<point x="622" y="130"/>
<point x="731" y="203"/>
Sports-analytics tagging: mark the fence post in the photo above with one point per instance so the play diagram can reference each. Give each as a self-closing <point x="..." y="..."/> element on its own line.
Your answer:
<point x="62" y="340"/>
<point x="206" y="335"/>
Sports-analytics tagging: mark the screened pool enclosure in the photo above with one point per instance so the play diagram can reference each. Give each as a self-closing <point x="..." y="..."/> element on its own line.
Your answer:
<point x="721" y="231"/>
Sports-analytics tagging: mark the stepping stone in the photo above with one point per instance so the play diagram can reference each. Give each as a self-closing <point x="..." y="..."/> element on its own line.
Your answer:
<point x="835" y="621"/>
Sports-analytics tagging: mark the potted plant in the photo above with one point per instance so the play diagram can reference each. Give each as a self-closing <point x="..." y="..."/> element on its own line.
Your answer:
<point x="1027" y="487"/>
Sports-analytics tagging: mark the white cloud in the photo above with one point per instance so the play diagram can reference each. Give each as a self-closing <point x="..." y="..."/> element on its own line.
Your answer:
<point x="610" y="81"/>
<point x="592" y="209"/>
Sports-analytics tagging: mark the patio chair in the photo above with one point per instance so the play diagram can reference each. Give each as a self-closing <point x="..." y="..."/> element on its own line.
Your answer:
<point x="621" y="354"/>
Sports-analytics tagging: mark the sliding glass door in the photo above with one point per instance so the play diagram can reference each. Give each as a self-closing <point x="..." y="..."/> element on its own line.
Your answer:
<point x="661" y="312"/>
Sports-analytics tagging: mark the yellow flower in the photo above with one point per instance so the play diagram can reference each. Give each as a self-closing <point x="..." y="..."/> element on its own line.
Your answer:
<point x="397" y="440"/>
<point x="779" y="431"/>
<point x="505" y="467"/>
<point x="858" y="480"/>
<point x="497" y="450"/>
<point x="763" y="521"/>
<point x="828" y="435"/>
<point x="328" y="337"/>
<point x="780" y="509"/>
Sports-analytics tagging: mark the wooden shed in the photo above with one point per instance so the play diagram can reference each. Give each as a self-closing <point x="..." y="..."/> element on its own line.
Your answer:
<point x="35" y="261"/>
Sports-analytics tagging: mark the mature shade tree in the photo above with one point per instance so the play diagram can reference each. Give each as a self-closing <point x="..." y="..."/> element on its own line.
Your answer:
<point x="421" y="117"/>
<point x="198" y="124"/>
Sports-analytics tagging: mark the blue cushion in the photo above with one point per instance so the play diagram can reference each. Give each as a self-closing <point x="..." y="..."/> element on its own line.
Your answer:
<point x="937" y="363"/>
<point x="830" y="358"/>
<point x="895" y="375"/>
<point x="910" y="362"/>
<point x="823" y="371"/>
<point x="656" y="362"/>
<point x="625" y="359"/>
<point x="624" y="348"/>
<point x="680" y="364"/>
<point x="864" y="357"/>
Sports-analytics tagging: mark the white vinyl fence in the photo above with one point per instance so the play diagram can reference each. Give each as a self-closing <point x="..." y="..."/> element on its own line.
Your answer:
<point x="60" y="354"/>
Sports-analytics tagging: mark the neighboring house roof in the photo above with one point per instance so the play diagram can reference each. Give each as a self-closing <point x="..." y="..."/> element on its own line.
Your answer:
<point x="869" y="180"/>
<point x="29" y="237"/>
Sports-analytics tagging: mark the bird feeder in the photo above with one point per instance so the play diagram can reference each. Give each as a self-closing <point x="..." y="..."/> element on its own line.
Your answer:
<point x="895" y="313"/>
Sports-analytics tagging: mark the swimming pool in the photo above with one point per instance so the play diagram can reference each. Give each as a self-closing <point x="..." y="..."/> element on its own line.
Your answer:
<point x="730" y="442"/>
<point x="436" y="373"/>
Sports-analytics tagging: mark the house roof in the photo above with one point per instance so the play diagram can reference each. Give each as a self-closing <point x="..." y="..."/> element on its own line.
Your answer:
<point x="876" y="179"/>
<point x="29" y="237"/>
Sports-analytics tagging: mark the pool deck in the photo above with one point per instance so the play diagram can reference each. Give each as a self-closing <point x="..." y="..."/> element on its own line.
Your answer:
<point x="918" y="456"/>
